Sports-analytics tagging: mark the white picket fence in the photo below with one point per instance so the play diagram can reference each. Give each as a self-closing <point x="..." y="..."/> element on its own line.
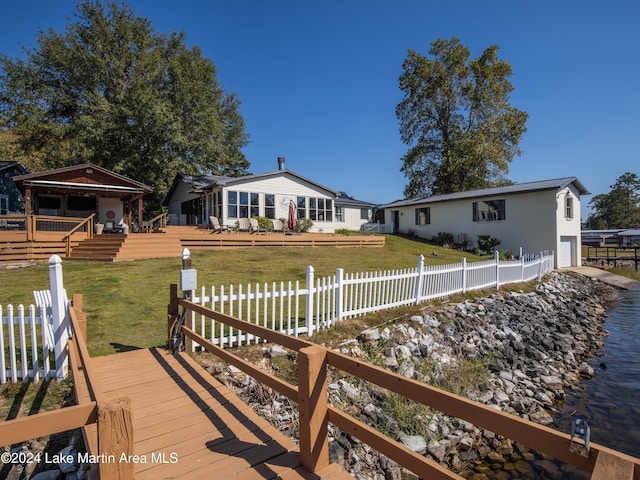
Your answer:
<point x="33" y="340"/>
<point x="294" y="309"/>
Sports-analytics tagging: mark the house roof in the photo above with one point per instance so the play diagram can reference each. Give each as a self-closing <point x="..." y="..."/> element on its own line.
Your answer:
<point x="634" y="232"/>
<point x="554" y="184"/>
<point x="201" y="183"/>
<point x="6" y="165"/>
<point x="87" y="178"/>
<point x="346" y="200"/>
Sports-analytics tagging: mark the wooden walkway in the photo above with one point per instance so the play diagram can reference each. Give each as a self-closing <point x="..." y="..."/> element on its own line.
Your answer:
<point x="189" y="425"/>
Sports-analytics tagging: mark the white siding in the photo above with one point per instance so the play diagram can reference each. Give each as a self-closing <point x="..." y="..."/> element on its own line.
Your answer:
<point x="534" y="220"/>
<point x="180" y="195"/>
<point x="568" y="229"/>
<point x="351" y="218"/>
<point x="285" y="187"/>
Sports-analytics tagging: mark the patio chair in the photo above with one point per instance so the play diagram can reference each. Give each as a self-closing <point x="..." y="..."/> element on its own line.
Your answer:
<point x="244" y="225"/>
<point x="216" y="227"/>
<point x="254" y="226"/>
<point x="278" y="225"/>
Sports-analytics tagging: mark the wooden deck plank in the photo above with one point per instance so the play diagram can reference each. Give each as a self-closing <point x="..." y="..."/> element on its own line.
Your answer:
<point x="187" y="424"/>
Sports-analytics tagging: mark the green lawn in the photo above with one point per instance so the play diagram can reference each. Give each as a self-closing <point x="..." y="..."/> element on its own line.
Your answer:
<point x="126" y="302"/>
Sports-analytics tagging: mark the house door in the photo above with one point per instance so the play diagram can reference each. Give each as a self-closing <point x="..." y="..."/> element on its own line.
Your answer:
<point x="395" y="217"/>
<point x="565" y="255"/>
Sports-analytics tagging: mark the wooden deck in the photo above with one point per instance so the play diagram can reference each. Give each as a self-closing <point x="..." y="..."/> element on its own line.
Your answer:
<point x="189" y="425"/>
<point x="168" y="242"/>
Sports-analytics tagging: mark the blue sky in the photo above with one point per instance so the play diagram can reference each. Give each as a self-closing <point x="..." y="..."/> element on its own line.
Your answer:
<point x="318" y="81"/>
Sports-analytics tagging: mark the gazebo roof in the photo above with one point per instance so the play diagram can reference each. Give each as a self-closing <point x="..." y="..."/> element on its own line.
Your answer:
<point x="85" y="179"/>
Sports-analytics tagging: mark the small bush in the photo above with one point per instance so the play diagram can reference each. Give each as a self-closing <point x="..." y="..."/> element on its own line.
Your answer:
<point x="443" y="239"/>
<point x="303" y="225"/>
<point x="487" y="244"/>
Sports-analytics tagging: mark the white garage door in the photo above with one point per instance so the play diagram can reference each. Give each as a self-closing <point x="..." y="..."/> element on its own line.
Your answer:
<point x="566" y="251"/>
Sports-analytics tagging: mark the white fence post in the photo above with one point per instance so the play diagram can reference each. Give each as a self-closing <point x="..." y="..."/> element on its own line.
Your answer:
<point x="59" y="317"/>
<point x="497" y="258"/>
<point x="309" y="300"/>
<point x="418" y="286"/>
<point x="339" y="293"/>
<point x="464" y="274"/>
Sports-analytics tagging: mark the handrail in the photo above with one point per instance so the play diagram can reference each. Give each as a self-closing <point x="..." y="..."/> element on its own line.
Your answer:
<point x="67" y="237"/>
<point x="531" y="434"/>
<point x="147" y="226"/>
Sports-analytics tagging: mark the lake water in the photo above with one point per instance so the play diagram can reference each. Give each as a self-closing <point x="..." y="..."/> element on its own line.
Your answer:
<point x="610" y="402"/>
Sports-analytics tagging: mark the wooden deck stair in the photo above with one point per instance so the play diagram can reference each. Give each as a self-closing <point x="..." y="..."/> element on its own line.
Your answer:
<point x="117" y="247"/>
<point x="200" y="428"/>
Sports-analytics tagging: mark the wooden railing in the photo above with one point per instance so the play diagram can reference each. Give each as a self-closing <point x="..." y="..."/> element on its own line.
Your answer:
<point x="614" y="255"/>
<point x="107" y="424"/>
<point x="88" y="223"/>
<point x="311" y="396"/>
<point x="161" y="220"/>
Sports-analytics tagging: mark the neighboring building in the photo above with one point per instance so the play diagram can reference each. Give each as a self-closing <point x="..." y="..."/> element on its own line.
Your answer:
<point x="10" y="197"/>
<point x="629" y="238"/>
<point x="600" y="238"/>
<point x="192" y="199"/>
<point x="80" y="191"/>
<point x="537" y="216"/>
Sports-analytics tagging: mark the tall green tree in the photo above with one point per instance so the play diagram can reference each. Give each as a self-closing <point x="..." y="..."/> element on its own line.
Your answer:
<point x="112" y="91"/>
<point x="456" y="117"/>
<point x="620" y="208"/>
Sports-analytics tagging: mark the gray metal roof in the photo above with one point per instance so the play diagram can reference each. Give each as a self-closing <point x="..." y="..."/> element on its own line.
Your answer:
<point x="554" y="184"/>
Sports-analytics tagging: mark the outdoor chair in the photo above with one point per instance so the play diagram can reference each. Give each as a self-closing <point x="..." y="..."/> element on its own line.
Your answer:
<point x="244" y="225"/>
<point x="216" y="227"/>
<point x="278" y="225"/>
<point x="254" y="226"/>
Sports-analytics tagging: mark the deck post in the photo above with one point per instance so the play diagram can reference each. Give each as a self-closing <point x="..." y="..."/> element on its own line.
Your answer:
<point x="115" y="438"/>
<point x="312" y="406"/>
<point x="173" y="312"/>
<point x="82" y="317"/>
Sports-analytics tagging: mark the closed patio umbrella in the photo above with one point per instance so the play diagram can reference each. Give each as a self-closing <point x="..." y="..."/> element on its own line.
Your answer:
<point x="292" y="216"/>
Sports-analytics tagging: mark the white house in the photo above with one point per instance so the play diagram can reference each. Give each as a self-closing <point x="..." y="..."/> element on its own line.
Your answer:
<point x="192" y="199"/>
<point x="537" y="216"/>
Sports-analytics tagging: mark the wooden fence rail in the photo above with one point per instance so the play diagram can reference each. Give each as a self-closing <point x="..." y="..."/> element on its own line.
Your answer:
<point x="311" y="394"/>
<point x="297" y="309"/>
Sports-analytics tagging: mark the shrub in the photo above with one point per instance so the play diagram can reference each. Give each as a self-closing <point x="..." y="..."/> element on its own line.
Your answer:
<point x="487" y="244"/>
<point x="303" y="224"/>
<point x="264" y="223"/>
<point x="443" y="239"/>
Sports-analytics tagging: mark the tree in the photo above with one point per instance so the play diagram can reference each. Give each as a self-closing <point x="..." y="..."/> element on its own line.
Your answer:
<point x="456" y="117"/>
<point x="620" y="208"/>
<point x="111" y="91"/>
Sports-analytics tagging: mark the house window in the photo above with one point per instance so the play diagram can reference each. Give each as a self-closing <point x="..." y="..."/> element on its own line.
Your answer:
<point x="243" y="204"/>
<point x="423" y="216"/>
<point x="82" y="204"/>
<point x="339" y="214"/>
<point x="489" y="211"/>
<point x="270" y="206"/>
<point x="232" y="204"/>
<point x="301" y="203"/>
<point x="364" y="214"/>
<point x="321" y="209"/>
<point x="568" y="207"/>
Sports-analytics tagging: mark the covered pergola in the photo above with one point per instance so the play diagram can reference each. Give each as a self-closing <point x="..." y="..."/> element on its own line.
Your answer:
<point x="83" y="190"/>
